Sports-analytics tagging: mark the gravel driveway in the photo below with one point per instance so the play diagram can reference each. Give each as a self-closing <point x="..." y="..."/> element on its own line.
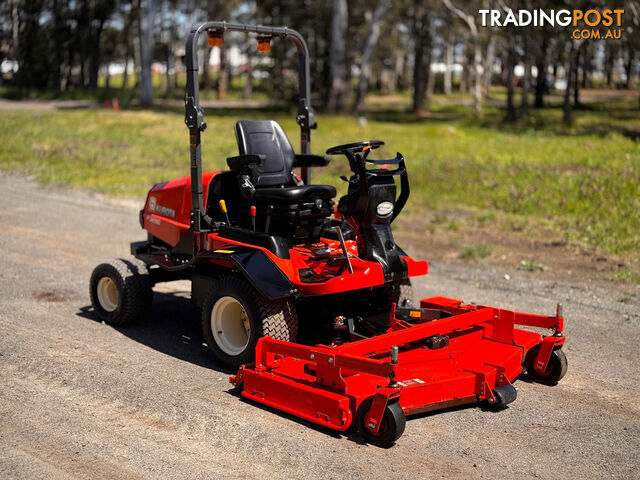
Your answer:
<point x="82" y="399"/>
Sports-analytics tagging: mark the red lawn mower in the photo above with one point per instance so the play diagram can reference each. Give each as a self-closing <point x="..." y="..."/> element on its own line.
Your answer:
<point x="311" y="301"/>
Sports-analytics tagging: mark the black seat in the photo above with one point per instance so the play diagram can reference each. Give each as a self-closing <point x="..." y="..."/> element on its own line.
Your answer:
<point x="262" y="177"/>
<point x="296" y="194"/>
<point x="266" y="138"/>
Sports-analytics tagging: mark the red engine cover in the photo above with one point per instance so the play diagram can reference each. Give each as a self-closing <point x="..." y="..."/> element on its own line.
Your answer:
<point x="166" y="211"/>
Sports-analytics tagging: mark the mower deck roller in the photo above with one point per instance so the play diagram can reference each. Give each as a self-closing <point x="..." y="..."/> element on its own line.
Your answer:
<point x="441" y="355"/>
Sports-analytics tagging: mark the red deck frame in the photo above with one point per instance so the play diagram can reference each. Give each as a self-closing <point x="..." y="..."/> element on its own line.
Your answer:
<point x="327" y="384"/>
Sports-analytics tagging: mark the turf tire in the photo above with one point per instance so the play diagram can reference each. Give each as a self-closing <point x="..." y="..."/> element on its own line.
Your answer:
<point x="275" y="318"/>
<point x="134" y="291"/>
<point x="402" y="294"/>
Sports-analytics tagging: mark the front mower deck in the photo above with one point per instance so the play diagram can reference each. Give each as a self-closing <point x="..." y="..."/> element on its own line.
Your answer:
<point x="444" y="354"/>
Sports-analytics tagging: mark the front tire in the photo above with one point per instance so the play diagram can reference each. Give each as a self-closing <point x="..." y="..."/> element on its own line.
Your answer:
<point x="121" y="291"/>
<point x="402" y="294"/>
<point x="235" y="316"/>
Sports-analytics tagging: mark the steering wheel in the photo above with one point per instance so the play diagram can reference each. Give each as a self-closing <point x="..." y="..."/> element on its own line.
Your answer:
<point x="353" y="148"/>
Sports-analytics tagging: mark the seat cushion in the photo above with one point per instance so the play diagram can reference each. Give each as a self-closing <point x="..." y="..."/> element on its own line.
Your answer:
<point x="296" y="194"/>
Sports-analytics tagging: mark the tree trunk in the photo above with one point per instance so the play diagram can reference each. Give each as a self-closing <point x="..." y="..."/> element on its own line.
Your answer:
<point x="608" y="64"/>
<point x="431" y="77"/>
<point x="511" y="55"/>
<point x="338" y="56"/>
<point x="576" y="80"/>
<point x="448" y="72"/>
<point x="367" y="53"/>
<point x="206" y="68"/>
<point x="15" y="35"/>
<point x="136" y="11"/>
<point x="629" y="64"/>
<point x="83" y="63"/>
<point x="422" y="55"/>
<point x="94" y="59"/>
<point x="526" y="80"/>
<point x="541" y="80"/>
<point x="223" y="78"/>
<point x="127" y="54"/>
<point x="146" y="53"/>
<point x="477" y="78"/>
<point x="168" y="86"/>
<point x="571" y="67"/>
<point x="586" y="66"/>
<point x="487" y="66"/>
<point x="248" y="81"/>
<point x="464" y="76"/>
<point x="469" y="19"/>
<point x="58" y="26"/>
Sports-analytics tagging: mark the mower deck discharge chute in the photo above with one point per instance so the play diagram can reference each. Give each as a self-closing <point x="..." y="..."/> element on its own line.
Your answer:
<point x="276" y="265"/>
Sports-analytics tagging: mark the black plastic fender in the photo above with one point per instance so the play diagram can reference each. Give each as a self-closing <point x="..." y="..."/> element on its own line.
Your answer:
<point x="255" y="266"/>
<point x="263" y="274"/>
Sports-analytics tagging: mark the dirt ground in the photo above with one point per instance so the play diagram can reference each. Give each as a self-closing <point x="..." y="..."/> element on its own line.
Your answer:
<point x="80" y="399"/>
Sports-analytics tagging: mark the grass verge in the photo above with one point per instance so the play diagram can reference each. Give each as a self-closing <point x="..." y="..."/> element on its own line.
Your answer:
<point x="581" y="182"/>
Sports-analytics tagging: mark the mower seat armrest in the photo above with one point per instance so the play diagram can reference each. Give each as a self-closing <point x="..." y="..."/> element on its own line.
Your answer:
<point x="310" y="160"/>
<point x="244" y="161"/>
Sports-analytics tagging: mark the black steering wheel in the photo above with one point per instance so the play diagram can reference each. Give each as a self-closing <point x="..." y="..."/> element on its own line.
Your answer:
<point x="353" y="148"/>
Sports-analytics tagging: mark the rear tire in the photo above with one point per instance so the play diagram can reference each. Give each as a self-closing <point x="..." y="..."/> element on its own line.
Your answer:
<point x="235" y="316"/>
<point x="121" y="291"/>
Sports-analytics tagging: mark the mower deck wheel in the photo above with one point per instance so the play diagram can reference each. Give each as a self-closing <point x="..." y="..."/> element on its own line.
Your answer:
<point x="504" y="395"/>
<point x="556" y="368"/>
<point x="391" y="427"/>
<point x="121" y="291"/>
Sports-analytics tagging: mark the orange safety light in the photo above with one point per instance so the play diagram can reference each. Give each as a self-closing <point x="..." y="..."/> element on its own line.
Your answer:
<point x="215" y="39"/>
<point x="264" y="44"/>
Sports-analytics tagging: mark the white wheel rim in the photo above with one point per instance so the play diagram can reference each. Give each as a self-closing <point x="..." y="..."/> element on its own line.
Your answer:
<point x="108" y="294"/>
<point x="230" y="326"/>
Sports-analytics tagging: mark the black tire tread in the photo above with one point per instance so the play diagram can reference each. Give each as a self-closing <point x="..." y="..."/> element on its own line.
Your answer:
<point x="400" y="292"/>
<point x="556" y="369"/>
<point x="276" y="318"/>
<point x="394" y="422"/>
<point x="135" y="285"/>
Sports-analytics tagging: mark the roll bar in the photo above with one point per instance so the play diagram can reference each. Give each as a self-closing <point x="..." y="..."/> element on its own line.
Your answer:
<point x="194" y="116"/>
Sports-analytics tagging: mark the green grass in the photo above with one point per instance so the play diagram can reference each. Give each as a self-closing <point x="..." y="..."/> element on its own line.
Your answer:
<point x="624" y="274"/>
<point x="475" y="252"/>
<point x="530" y="266"/>
<point x="580" y="181"/>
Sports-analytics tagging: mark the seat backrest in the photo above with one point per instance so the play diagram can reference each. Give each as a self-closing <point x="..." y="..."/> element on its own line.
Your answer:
<point x="266" y="137"/>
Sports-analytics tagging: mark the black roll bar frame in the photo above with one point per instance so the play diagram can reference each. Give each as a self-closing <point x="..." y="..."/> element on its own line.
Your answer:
<point x="194" y="116"/>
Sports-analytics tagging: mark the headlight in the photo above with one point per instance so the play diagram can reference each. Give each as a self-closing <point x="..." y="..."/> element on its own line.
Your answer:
<point x="384" y="209"/>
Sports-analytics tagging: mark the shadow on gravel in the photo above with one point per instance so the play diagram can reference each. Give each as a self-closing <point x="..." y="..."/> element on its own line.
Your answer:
<point x="173" y="329"/>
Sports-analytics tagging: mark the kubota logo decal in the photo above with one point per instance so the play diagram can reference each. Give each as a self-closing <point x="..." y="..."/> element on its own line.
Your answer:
<point x="160" y="210"/>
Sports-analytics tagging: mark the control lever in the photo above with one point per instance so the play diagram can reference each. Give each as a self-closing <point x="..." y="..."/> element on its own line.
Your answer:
<point x="338" y="232"/>
<point x="268" y="224"/>
<point x="253" y="217"/>
<point x="223" y="207"/>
